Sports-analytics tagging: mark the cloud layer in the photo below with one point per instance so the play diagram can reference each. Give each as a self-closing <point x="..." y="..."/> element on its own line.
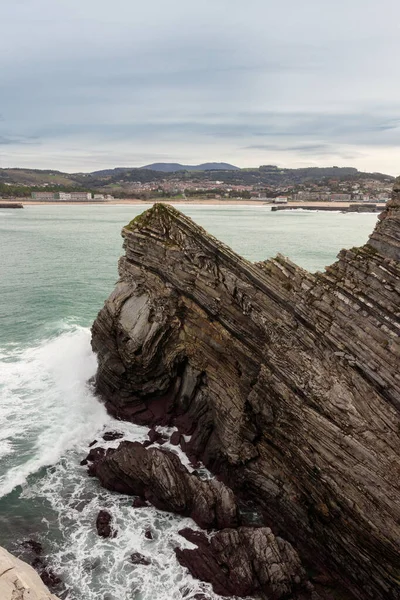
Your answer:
<point x="94" y="84"/>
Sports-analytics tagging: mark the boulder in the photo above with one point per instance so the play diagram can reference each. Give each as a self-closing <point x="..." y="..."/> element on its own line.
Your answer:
<point x="104" y="525"/>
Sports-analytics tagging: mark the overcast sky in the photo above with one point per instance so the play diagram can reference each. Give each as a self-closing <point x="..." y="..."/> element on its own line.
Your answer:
<point x="91" y="84"/>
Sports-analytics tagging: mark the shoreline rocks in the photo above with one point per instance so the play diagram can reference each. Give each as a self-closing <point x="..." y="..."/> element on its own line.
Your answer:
<point x="157" y="476"/>
<point x="284" y="383"/>
<point x="245" y="562"/>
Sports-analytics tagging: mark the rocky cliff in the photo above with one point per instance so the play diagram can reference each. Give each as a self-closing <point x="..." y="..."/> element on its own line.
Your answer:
<point x="286" y="384"/>
<point x="18" y="581"/>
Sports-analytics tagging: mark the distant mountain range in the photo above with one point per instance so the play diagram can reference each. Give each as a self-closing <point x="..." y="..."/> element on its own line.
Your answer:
<point x="175" y="167"/>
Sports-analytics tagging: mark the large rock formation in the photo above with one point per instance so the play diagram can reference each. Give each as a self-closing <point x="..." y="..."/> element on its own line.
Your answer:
<point x="18" y="581"/>
<point x="159" y="476"/>
<point x="287" y="383"/>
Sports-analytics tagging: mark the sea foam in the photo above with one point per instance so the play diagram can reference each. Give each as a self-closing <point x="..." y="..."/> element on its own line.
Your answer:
<point x="47" y="406"/>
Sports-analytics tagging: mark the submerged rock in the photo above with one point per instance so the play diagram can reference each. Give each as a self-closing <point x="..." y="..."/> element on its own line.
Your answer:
<point x="139" y="559"/>
<point x="159" y="477"/>
<point x="285" y="383"/>
<point x="104" y="525"/>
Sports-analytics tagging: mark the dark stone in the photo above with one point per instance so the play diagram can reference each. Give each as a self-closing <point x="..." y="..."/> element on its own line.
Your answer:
<point x="149" y="535"/>
<point x="139" y="559"/>
<point x="33" y="545"/>
<point x="50" y="578"/>
<point x="103" y="525"/>
<point x="139" y="502"/>
<point x="92" y="443"/>
<point x="158" y="476"/>
<point x="110" y="436"/>
<point x="175" y="439"/>
<point x="155" y="436"/>
<point x="245" y="562"/>
<point x="84" y="462"/>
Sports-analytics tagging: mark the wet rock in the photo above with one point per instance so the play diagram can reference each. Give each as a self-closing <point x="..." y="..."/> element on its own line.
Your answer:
<point x="158" y="476"/>
<point x="92" y="443"/>
<point x="175" y="439"/>
<point x="50" y="578"/>
<point x="33" y="545"/>
<point x="139" y="502"/>
<point x="103" y="525"/>
<point x="149" y="534"/>
<point x="139" y="559"/>
<point x="110" y="436"/>
<point x="156" y="437"/>
<point x="244" y="562"/>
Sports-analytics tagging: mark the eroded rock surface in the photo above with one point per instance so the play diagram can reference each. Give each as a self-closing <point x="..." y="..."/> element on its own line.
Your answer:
<point x="285" y="383"/>
<point x="159" y="477"/>
<point x="246" y="561"/>
<point x="19" y="581"/>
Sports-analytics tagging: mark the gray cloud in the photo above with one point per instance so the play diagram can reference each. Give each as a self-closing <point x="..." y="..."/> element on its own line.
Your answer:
<point x="247" y="82"/>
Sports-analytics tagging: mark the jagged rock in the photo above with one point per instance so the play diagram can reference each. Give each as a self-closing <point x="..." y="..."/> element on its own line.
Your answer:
<point x="19" y="581"/>
<point x="104" y="525"/>
<point x="287" y="383"/>
<point x="159" y="477"/>
<point x="244" y="562"/>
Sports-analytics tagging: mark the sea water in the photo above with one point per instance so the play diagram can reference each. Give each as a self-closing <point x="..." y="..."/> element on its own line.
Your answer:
<point x="57" y="266"/>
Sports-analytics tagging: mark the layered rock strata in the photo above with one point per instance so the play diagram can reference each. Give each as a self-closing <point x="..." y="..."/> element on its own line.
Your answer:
<point x="246" y="561"/>
<point x="18" y="581"/>
<point x="159" y="477"/>
<point x="287" y="383"/>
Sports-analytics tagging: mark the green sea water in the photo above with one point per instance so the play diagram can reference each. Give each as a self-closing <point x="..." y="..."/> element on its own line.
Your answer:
<point x="57" y="266"/>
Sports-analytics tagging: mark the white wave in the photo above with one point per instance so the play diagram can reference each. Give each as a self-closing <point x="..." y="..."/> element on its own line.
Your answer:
<point x="46" y="406"/>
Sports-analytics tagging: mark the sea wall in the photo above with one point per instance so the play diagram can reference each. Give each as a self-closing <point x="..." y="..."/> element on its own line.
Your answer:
<point x="286" y="384"/>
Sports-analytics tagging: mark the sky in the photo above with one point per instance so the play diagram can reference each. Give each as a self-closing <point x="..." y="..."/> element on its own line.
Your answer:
<point x="93" y="84"/>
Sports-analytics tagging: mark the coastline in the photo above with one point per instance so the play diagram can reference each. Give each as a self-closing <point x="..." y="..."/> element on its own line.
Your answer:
<point x="196" y="202"/>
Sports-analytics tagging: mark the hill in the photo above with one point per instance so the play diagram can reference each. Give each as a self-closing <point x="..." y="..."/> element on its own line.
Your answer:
<point x="124" y="181"/>
<point x="176" y="167"/>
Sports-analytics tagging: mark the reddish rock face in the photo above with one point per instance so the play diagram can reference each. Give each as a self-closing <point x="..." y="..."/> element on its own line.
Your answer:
<point x="284" y="383"/>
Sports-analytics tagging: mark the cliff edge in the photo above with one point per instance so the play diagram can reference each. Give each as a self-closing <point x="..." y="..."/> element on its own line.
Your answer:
<point x="285" y="383"/>
<point x="18" y="581"/>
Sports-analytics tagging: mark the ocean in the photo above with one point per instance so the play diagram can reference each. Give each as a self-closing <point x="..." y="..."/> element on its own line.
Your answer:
<point x="57" y="266"/>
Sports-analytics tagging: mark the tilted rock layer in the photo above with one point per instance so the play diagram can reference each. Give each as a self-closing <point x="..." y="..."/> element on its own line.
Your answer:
<point x="159" y="476"/>
<point x="288" y="383"/>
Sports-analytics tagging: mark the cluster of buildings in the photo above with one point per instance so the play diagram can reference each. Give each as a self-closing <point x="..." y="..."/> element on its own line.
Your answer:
<point x="70" y="197"/>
